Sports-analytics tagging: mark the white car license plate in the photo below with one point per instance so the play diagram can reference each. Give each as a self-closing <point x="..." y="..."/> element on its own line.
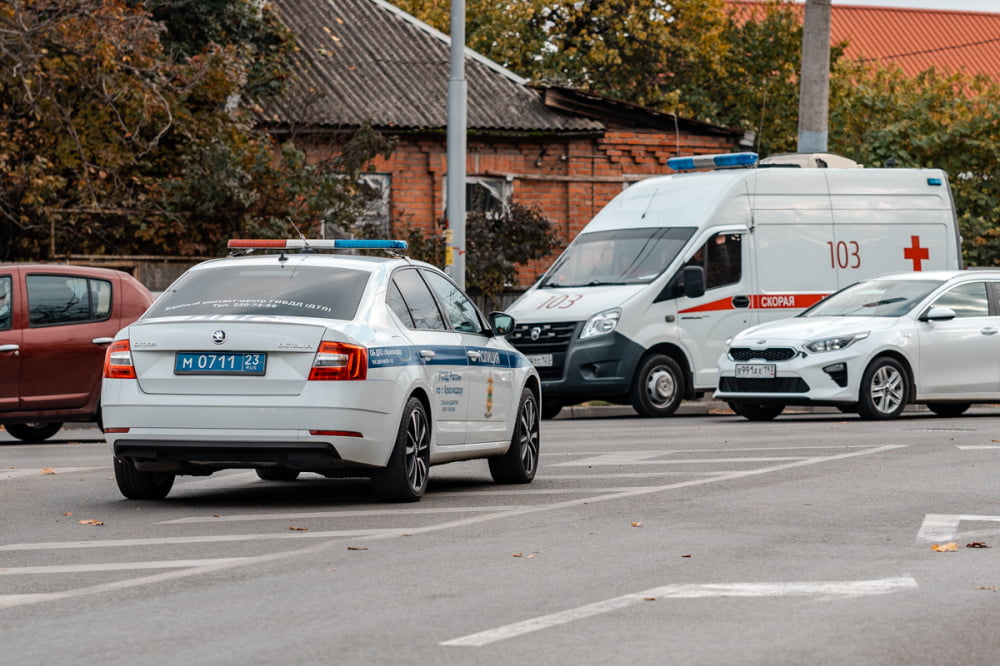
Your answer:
<point x="756" y="370"/>
<point x="540" y="360"/>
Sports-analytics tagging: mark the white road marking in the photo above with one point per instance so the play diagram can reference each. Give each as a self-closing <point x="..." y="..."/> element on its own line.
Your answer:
<point x="623" y="460"/>
<point x="10" y="601"/>
<point x="118" y="566"/>
<point x="944" y="527"/>
<point x="8" y="474"/>
<point x="820" y="589"/>
<point x="220" y="538"/>
<point x="978" y="447"/>
<point x="336" y="514"/>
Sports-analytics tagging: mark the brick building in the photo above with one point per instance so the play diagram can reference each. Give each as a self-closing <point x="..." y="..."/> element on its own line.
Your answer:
<point x="565" y="151"/>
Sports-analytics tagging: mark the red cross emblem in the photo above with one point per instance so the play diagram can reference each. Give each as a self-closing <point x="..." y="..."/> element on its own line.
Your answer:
<point x="915" y="253"/>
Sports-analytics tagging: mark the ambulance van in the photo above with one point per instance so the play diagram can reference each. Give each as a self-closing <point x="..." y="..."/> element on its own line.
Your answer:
<point x="639" y="306"/>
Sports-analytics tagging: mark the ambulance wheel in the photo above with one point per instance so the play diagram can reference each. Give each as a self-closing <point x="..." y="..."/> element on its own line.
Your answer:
<point x="404" y="478"/>
<point x="136" y="484"/>
<point x="520" y="462"/>
<point x="883" y="390"/>
<point x="32" y="432"/>
<point x="757" y="411"/>
<point x="948" y="408"/>
<point x="551" y="409"/>
<point x="276" y="474"/>
<point x="658" y="386"/>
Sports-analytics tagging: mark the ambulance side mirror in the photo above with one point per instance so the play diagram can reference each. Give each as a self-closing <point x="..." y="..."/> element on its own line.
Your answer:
<point x="693" y="281"/>
<point x="501" y="323"/>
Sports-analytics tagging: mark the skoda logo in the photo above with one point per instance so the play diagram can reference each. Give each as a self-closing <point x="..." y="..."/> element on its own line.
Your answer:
<point x="219" y="337"/>
<point x="536" y="332"/>
<point x="759" y="342"/>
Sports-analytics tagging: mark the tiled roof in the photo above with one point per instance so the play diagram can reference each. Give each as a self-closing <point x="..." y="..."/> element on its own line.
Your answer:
<point x="916" y="39"/>
<point x="364" y="61"/>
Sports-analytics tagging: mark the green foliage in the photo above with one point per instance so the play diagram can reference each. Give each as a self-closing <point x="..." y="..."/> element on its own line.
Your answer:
<point x="495" y="246"/>
<point x="112" y="143"/>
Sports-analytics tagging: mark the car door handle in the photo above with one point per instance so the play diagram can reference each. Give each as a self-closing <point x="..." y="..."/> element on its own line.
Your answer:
<point x="473" y="355"/>
<point x="426" y="354"/>
<point x="102" y="341"/>
<point x="989" y="330"/>
<point x="741" y="301"/>
<point x="9" y="348"/>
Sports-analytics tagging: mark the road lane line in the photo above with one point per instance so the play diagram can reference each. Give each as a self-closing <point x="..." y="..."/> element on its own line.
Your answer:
<point x="220" y="538"/>
<point x="822" y="589"/>
<point x="8" y="474"/>
<point x="944" y="527"/>
<point x="338" y="514"/>
<point x="117" y="566"/>
<point x="612" y="460"/>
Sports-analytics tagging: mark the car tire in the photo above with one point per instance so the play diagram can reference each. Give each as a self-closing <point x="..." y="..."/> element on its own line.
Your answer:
<point x="757" y="411"/>
<point x="884" y="390"/>
<point x="520" y="463"/>
<point x="949" y="408"/>
<point x="139" y="485"/>
<point x="33" y="432"/>
<point x="551" y="409"/>
<point x="658" y="386"/>
<point x="404" y="478"/>
<point x="276" y="474"/>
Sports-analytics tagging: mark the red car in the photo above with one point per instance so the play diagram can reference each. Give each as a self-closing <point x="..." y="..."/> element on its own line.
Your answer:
<point x="55" y="324"/>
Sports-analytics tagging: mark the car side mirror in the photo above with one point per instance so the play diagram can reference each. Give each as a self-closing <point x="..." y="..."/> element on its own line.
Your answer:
<point x="938" y="314"/>
<point x="501" y="323"/>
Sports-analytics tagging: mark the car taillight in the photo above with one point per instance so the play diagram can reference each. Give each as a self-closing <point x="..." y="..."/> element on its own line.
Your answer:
<point x="339" y="361"/>
<point x="118" y="361"/>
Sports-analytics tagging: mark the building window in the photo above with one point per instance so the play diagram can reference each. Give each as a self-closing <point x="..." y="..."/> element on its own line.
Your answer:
<point x="490" y="196"/>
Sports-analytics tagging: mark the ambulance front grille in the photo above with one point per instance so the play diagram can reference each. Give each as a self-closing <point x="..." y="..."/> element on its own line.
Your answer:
<point x="543" y="340"/>
<point x="772" y="354"/>
<point x="778" y="385"/>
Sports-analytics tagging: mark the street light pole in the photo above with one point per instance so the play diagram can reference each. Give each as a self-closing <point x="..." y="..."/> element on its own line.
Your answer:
<point x="457" y="112"/>
<point x="814" y="91"/>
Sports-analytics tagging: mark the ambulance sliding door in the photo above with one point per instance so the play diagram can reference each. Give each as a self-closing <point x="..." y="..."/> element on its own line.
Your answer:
<point x="792" y="229"/>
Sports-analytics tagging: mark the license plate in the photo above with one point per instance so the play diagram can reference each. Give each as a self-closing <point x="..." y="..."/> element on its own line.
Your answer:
<point x="756" y="370"/>
<point x="540" y="360"/>
<point x="217" y="363"/>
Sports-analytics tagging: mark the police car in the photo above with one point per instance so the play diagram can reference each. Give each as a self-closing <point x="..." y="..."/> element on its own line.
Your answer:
<point x="928" y="337"/>
<point x="340" y="364"/>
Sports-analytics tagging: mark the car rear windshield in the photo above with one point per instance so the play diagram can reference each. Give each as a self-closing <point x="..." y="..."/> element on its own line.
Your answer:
<point x="303" y="291"/>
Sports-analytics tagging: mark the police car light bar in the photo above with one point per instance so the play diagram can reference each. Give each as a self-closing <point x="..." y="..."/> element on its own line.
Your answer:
<point x="319" y="244"/>
<point x="721" y="161"/>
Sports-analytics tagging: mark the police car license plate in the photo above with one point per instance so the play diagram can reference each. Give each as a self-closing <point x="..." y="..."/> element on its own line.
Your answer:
<point x="216" y="363"/>
<point x="756" y="370"/>
<point x="540" y="360"/>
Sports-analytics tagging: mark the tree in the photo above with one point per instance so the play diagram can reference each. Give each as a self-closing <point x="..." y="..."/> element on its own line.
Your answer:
<point x="112" y="143"/>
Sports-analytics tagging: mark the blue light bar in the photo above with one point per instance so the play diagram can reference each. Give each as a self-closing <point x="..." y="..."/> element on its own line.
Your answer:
<point x="345" y="243"/>
<point x="935" y="181"/>
<point x="721" y="161"/>
<point x="316" y="244"/>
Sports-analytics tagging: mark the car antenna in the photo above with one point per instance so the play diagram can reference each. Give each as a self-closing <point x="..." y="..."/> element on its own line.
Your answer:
<point x="302" y="237"/>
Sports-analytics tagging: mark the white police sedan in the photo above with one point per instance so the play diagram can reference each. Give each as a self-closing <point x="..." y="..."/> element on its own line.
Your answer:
<point x="926" y="337"/>
<point x="339" y="364"/>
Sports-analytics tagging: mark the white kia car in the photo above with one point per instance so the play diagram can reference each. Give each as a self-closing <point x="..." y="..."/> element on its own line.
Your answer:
<point x="927" y="337"/>
<point x="339" y="364"/>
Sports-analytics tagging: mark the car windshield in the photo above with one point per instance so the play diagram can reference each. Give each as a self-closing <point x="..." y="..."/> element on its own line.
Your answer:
<point x="874" y="298"/>
<point x="304" y="291"/>
<point x="625" y="256"/>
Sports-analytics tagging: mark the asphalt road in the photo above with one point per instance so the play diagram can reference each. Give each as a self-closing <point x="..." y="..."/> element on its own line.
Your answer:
<point x="701" y="539"/>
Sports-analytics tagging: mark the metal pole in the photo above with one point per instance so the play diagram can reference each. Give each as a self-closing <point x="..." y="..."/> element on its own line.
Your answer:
<point x="814" y="90"/>
<point x="455" y="213"/>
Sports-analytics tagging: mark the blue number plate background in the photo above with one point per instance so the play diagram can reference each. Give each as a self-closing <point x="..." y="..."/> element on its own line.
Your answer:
<point x="218" y="363"/>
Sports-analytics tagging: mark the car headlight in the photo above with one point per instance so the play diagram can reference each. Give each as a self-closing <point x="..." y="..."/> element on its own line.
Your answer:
<point x="834" y="344"/>
<point x="601" y="323"/>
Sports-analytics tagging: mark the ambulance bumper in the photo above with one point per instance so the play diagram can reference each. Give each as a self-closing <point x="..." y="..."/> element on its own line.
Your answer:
<point x="597" y="368"/>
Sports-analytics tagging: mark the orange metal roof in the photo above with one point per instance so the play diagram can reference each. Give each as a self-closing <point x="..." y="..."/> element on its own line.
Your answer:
<point x="915" y="39"/>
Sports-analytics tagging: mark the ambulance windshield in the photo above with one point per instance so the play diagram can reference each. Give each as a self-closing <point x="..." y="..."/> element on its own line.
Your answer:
<point x="623" y="256"/>
<point x="874" y="298"/>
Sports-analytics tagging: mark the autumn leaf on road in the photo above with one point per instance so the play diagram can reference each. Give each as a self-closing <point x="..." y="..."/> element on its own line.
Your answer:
<point x="976" y="544"/>
<point x="47" y="470"/>
<point x="298" y="529"/>
<point x="944" y="547"/>
<point x="91" y="522"/>
<point x="636" y="524"/>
